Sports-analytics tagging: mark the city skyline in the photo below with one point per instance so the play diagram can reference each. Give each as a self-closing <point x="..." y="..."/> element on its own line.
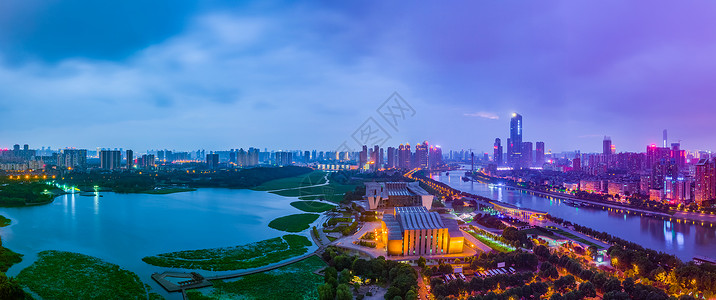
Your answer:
<point x="216" y="75"/>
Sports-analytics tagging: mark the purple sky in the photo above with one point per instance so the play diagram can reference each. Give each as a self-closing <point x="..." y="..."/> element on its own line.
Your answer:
<point x="219" y="75"/>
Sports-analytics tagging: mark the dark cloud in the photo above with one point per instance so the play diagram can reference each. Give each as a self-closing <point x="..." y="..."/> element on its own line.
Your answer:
<point x="270" y="71"/>
<point x="57" y="30"/>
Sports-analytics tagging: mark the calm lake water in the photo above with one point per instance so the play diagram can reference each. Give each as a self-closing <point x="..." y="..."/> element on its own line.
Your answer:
<point x="123" y="228"/>
<point x="683" y="240"/>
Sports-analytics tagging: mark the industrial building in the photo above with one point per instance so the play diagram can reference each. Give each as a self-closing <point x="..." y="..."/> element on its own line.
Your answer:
<point x="413" y="230"/>
<point x="396" y="194"/>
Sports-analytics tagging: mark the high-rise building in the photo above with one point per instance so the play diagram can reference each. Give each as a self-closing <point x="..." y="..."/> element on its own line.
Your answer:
<point x="527" y="160"/>
<point x="212" y="160"/>
<point x="516" y="140"/>
<point x="421" y="155"/>
<point x="284" y="158"/>
<point x="539" y="154"/>
<point x="232" y="156"/>
<point x="435" y="157"/>
<point x="577" y="164"/>
<point x="497" y="152"/>
<point x="242" y="158"/>
<point x="130" y="159"/>
<point x="607" y="146"/>
<point x="253" y="157"/>
<point x="404" y="156"/>
<point x="678" y="155"/>
<point x="363" y="157"/>
<point x="306" y="156"/>
<point x="110" y="159"/>
<point x="73" y="158"/>
<point x="146" y="161"/>
<point x="663" y="169"/>
<point x="705" y="180"/>
<point x="392" y="158"/>
<point x="376" y="157"/>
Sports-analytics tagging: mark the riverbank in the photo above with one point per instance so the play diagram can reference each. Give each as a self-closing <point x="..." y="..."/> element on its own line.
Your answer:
<point x="164" y="191"/>
<point x="692" y="217"/>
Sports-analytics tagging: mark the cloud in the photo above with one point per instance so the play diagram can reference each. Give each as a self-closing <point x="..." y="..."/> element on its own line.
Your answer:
<point x="483" y="114"/>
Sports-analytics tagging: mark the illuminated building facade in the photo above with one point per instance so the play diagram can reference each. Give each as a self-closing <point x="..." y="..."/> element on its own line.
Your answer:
<point x="705" y="181"/>
<point x="515" y="141"/>
<point x="415" y="231"/>
<point x="539" y="154"/>
<point x="395" y="194"/>
<point x="421" y="156"/>
<point x="497" y="152"/>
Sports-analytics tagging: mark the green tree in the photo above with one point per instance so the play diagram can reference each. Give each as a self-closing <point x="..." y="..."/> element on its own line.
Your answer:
<point x="587" y="289"/>
<point x="343" y="292"/>
<point x="325" y="292"/>
<point x="411" y="295"/>
<point x="345" y="276"/>
<point x="421" y="262"/>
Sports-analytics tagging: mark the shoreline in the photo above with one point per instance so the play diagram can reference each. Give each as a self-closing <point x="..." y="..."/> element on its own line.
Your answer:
<point x="694" y="219"/>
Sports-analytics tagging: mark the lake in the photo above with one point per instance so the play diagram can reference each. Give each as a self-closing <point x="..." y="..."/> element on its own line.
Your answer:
<point x="124" y="228"/>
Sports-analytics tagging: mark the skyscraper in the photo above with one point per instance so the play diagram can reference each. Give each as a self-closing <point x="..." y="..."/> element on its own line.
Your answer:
<point x="110" y="159"/>
<point x="435" y="158"/>
<point x="705" y="188"/>
<point x="73" y="158"/>
<point x="607" y="146"/>
<point x="130" y="159"/>
<point x="497" y="152"/>
<point x="527" y="154"/>
<point x="516" y="140"/>
<point x="392" y="157"/>
<point x="212" y="160"/>
<point x="404" y="156"/>
<point x="284" y="158"/>
<point x="363" y="157"/>
<point x="421" y="155"/>
<point x="539" y="154"/>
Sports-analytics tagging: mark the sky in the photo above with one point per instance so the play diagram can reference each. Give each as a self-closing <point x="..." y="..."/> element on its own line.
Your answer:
<point x="191" y="75"/>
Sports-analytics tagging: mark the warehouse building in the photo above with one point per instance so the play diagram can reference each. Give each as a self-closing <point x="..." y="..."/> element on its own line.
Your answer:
<point x="413" y="230"/>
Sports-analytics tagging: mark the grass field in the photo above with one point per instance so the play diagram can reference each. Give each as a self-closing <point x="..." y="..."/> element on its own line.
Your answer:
<point x="67" y="275"/>
<point x="312" y="206"/>
<point x="332" y="192"/>
<point x="295" y="281"/>
<point x="247" y="256"/>
<point x="8" y="258"/>
<point x="313" y="178"/>
<point x="4" y="221"/>
<point x="293" y="223"/>
<point x="491" y="243"/>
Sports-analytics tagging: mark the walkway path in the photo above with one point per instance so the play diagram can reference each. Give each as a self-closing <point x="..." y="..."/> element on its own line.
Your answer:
<point x="266" y="268"/>
<point x="303" y="187"/>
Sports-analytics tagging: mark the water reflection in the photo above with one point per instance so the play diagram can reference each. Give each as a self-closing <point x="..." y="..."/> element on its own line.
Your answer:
<point x="674" y="237"/>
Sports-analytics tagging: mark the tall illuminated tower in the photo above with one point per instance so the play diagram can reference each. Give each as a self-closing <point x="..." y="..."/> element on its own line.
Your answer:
<point x="516" y="140"/>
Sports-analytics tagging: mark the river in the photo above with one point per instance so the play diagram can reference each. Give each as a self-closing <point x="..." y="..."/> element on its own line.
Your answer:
<point x="677" y="238"/>
<point x="123" y="228"/>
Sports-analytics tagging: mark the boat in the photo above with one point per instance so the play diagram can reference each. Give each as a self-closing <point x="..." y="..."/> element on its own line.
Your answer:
<point x="465" y="178"/>
<point x="447" y="173"/>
